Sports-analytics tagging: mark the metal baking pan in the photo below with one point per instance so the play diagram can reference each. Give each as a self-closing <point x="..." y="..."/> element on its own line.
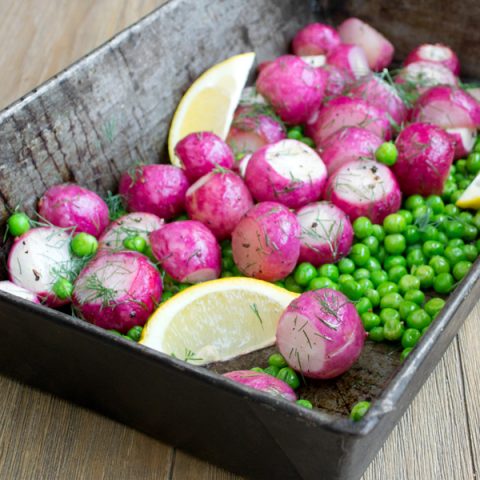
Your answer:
<point x="111" y="109"/>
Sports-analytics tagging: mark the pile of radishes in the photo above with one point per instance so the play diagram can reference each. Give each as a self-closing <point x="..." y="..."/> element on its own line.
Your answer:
<point x="308" y="154"/>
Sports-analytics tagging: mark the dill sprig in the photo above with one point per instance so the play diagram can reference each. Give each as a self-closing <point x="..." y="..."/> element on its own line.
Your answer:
<point x="115" y="206"/>
<point x="99" y="291"/>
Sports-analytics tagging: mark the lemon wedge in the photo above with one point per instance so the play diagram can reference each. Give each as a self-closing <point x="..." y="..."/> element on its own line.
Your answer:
<point x="210" y="102"/>
<point x="471" y="196"/>
<point x="217" y="320"/>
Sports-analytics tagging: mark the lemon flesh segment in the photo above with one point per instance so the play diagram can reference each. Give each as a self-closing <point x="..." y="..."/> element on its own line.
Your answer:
<point x="210" y="102"/>
<point x="217" y="320"/>
<point x="471" y="196"/>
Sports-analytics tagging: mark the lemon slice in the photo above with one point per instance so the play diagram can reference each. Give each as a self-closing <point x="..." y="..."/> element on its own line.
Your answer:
<point x="210" y="102"/>
<point x="217" y="320"/>
<point x="471" y="196"/>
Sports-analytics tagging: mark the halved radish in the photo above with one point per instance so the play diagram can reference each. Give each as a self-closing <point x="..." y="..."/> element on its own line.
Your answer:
<point x="12" y="289"/>
<point x="435" y="53"/>
<point x="464" y="140"/>
<point x="350" y="60"/>
<point x="315" y="39"/>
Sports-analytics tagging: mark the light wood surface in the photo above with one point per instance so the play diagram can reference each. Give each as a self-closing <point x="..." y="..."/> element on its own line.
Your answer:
<point x="43" y="437"/>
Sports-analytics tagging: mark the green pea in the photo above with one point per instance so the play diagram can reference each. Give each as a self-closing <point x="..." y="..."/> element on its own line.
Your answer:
<point x="439" y="264"/>
<point x="360" y="254"/>
<point x="473" y="163"/>
<point x="419" y="319"/>
<point x="476" y="219"/>
<point x="455" y="242"/>
<point x="18" y="224"/>
<point x="376" y="334"/>
<point x="365" y="283"/>
<point x="435" y="202"/>
<point x="454" y="254"/>
<point x="166" y="296"/>
<point x="304" y="403"/>
<point x="415" y="258"/>
<point x="413" y="202"/>
<point x="364" y="305"/>
<point x="359" y="410"/>
<point x="381" y="254"/>
<point x="227" y="263"/>
<point x="407" y="215"/>
<point x="461" y="269"/>
<point x="406" y="308"/>
<point x="278" y="283"/>
<point x="431" y="248"/>
<point x="294" y="134"/>
<point x="434" y="306"/>
<point x="422" y="215"/>
<point x="396" y="273"/>
<point x="63" y="288"/>
<point x="443" y="283"/>
<point x="410" y="337"/>
<point x="345" y="277"/>
<point x="308" y="141"/>
<point x="351" y="289"/>
<point x="425" y="274"/>
<point x="378" y="232"/>
<point x="321" y="282"/>
<point x="393" y="261"/>
<point x="465" y="217"/>
<point x="373" y="296"/>
<point x="346" y="265"/>
<point x="412" y="234"/>
<point x="227" y="274"/>
<point x="277" y="360"/>
<point x="271" y="370"/>
<point x="257" y="369"/>
<point x="453" y="228"/>
<point x="470" y="232"/>
<point x="370" y="320"/>
<point x="362" y="227"/>
<point x="373" y="265"/>
<point x="289" y="376"/>
<point x="395" y="243"/>
<point x="83" y="245"/>
<point x="429" y="232"/>
<point x="387" y="153"/>
<point x="387" y="314"/>
<point x="451" y="210"/>
<point x="304" y="273"/>
<point x="378" y="277"/>
<point x="394" y="223"/>
<point x="405" y="353"/>
<point x="372" y="243"/>
<point x="393" y="329"/>
<point x="387" y="287"/>
<point x="391" y="300"/>
<point x="471" y="252"/>
<point x="415" y="296"/>
<point x="135" y="333"/>
<point x="330" y="271"/>
<point x="448" y="190"/>
<point x="461" y="166"/>
<point x="136" y="243"/>
<point x="292" y="286"/>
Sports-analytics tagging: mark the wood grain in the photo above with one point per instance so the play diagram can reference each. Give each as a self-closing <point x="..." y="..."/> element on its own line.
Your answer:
<point x="45" y="437"/>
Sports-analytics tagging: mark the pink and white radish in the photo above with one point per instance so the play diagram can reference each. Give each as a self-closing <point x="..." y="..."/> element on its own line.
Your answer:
<point x="263" y="382"/>
<point x="133" y="224"/>
<point x="378" y="50"/>
<point x="252" y="128"/>
<point x="336" y="82"/>
<point x="12" y="289"/>
<point x="347" y="144"/>
<point x="219" y="200"/>
<point x="326" y="233"/>
<point x="350" y="60"/>
<point x="288" y="172"/>
<point x="292" y="87"/>
<point x="320" y="334"/>
<point x="118" y="290"/>
<point x="39" y="258"/>
<point x="242" y="165"/>
<point x="463" y="140"/>
<point x="315" y="39"/>
<point x="201" y="152"/>
<point x="315" y="61"/>
<point x="344" y="112"/>
<point x="425" y="155"/>
<point x="157" y="189"/>
<point x="364" y="188"/>
<point x="69" y="205"/>
<point x="447" y="107"/>
<point x="266" y="242"/>
<point x="435" y="53"/>
<point x="187" y="251"/>
<point x="423" y="75"/>
<point x="473" y="92"/>
<point x="382" y="95"/>
<point x="250" y="96"/>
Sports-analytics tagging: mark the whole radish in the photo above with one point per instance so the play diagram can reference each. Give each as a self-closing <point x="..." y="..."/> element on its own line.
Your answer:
<point x="364" y="188"/>
<point x="12" y="289"/>
<point x="347" y="144"/>
<point x="288" y="172"/>
<point x="326" y="233"/>
<point x="315" y="39"/>
<point x="425" y="155"/>
<point x="293" y="88"/>
<point x="263" y="382"/>
<point x="41" y="257"/>
<point x="420" y="76"/>
<point x="266" y="242"/>
<point x="133" y="224"/>
<point x="118" y="290"/>
<point x="435" y="53"/>
<point x="187" y="251"/>
<point x="69" y="205"/>
<point x="320" y="334"/>
<point x="219" y="200"/>
<point x="344" y="112"/>
<point x="201" y="152"/>
<point x="382" y="95"/>
<point x="350" y="60"/>
<point x="316" y="61"/>
<point x="337" y="81"/>
<point x="463" y="140"/>
<point x="253" y="127"/>
<point x="157" y="189"/>
<point x="378" y="50"/>
<point x="447" y="107"/>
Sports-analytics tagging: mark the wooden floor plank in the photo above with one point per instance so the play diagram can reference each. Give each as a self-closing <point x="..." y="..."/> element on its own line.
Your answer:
<point x="469" y="343"/>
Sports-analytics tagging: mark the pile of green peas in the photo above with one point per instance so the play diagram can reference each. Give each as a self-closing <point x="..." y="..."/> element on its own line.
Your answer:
<point x="297" y="133"/>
